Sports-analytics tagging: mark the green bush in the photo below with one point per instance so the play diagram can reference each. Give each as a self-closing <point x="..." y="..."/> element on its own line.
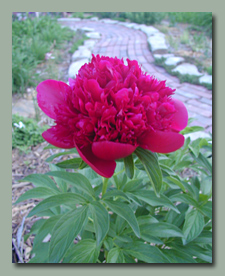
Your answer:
<point x="137" y="17"/>
<point x="31" y="40"/>
<point x="25" y="133"/>
<point x="147" y="18"/>
<point x="196" y="19"/>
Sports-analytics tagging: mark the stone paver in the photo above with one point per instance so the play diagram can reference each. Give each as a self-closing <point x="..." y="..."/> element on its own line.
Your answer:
<point x="131" y="41"/>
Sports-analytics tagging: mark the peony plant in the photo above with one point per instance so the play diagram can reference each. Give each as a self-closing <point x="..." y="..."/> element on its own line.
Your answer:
<point x="121" y="199"/>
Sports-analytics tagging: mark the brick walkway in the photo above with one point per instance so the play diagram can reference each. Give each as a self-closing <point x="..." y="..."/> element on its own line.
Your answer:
<point x="123" y="42"/>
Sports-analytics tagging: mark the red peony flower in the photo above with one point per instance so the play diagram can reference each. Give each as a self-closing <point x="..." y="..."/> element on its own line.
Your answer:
<point x="109" y="110"/>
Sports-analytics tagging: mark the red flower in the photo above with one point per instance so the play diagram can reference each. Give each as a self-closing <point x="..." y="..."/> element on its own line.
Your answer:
<point x="109" y="110"/>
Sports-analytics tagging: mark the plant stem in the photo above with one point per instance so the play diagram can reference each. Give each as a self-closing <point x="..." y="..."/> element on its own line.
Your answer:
<point x="105" y="184"/>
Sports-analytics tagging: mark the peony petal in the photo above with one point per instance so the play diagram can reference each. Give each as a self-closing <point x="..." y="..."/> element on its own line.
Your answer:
<point x="94" y="89"/>
<point x="180" y="118"/>
<point x="102" y="167"/>
<point x="50" y="94"/>
<point x="161" y="141"/>
<point x="108" y="150"/>
<point x="60" y="139"/>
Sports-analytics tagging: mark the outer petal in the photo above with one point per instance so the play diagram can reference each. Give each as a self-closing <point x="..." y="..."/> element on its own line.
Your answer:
<point x="107" y="150"/>
<point x="180" y="118"/>
<point x="161" y="141"/>
<point x="59" y="138"/>
<point x="50" y="94"/>
<point x="102" y="167"/>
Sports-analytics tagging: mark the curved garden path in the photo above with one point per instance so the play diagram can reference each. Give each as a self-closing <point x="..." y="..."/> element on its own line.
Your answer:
<point x="118" y="40"/>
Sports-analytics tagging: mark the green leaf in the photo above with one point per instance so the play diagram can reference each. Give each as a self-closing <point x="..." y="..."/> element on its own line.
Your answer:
<point x="65" y="231"/>
<point x="35" y="228"/>
<point x="101" y="220"/>
<point x="52" y="157"/>
<point x="193" y="226"/>
<point x="44" y="230"/>
<point x="161" y="229"/>
<point x="204" y="238"/>
<point x="177" y="182"/>
<point x="116" y="193"/>
<point x="206" y="209"/>
<point x="200" y="252"/>
<point x="120" y="224"/>
<point x="75" y="179"/>
<point x="184" y="199"/>
<point x="40" y="192"/>
<point x="123" y="210"/>
<point x="70" y="164"/>
<point x="40" y="180"/>
<point x="68" y="199"/>
<point x="146" y="253"/>
<point x="167" y="171"/>
<point x="41" y="255"/>
<point x="108" y="243"/>
<point x="115" y="255"/>
<point x="203" y="161"/>
<point x="192" y="129"/>
<point x="133" y="185"/>
<point x="177" y="219"/>
<point x="82" y="165"/>
<point x="129" y="166"/>
<point x="151" y="165"/>
<point x="197" y="251"/>
<point x="150" y="238"/>
<point x="206" y="185"/>
<point x="60" y="182"/>
<point x="150" y="198"/>
<point x="85" y="251"/>
<point x="176" y="256"/>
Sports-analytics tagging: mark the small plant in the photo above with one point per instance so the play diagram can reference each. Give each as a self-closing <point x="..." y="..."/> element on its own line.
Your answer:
<point x="185" y="39"/>
<point x="25" y="133"/>
<point x="209" y="70"/>
<point x="78" y="43"/>
<point x="78" y="15"/>
<point x="173" y="42"/>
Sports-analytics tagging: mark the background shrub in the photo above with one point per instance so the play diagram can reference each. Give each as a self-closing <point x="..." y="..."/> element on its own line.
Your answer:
<point x="27" y="133"/>
<point x="32" y="38"/>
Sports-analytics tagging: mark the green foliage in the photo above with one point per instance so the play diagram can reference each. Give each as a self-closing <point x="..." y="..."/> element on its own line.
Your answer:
<point x="78" y="43"/>
<point x="78" y="15"/>
<point x="209" y="70"/>
<point x="162" y="215"/>
<point x="147" y="18"/>
<point x="28" y="135"/>
<point x="202" y="19"/>
<point x="32" y="38"/>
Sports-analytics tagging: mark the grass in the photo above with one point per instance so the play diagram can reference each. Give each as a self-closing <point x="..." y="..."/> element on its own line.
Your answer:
<point x="173" y="42"/>
<point x="77" y="43"/>
<point x="147" y="18"/>
<point x="200" y="20"/>
<point x="31" y="40"/>
<point x="185" y="38"/>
